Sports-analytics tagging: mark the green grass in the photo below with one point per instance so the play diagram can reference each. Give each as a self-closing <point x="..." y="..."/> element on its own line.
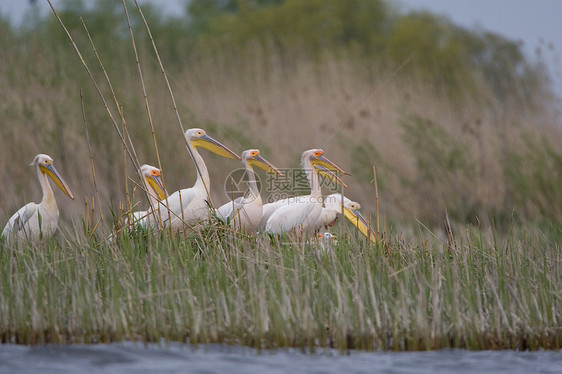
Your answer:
<point x="486" y="291"/>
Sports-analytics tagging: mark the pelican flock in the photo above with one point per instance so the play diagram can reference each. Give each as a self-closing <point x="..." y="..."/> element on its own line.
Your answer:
<point x="191" y="207"/>
<point x="38" y="221"/>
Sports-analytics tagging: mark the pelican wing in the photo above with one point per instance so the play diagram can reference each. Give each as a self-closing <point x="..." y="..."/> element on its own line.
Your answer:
<point x="288" y="217"/>
<point x="139" y="215"/>
<point x="19" y="219"/>
<point x="186" y="206"/>
<point x="179" y="200"/>
<point x="230" y="209"/>
<point x="270" y="208"/>
<point x="327" y="216"/>
<point x="139" y="218"/>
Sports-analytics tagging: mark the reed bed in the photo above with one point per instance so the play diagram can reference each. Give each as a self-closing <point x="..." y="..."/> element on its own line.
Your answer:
<point x="483" y="290"/>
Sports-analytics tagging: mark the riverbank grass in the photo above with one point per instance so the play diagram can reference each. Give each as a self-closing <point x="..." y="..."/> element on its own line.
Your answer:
<point x="484" y="290"/>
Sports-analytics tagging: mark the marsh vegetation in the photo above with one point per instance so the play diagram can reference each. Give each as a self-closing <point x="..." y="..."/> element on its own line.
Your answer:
<point x="464" y="132"/>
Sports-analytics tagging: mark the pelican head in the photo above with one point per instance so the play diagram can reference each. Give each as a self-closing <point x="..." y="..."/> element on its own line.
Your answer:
<point x="327" y="241"/>
<point x="316" y="157"/>
<point x="153" y="177"/>
<point x="351" y="212"/>
<point x="253" y="158"/>
<point x="326" y="237"/>
<point x="45" y="164"/>
<point x="199" y="138"/>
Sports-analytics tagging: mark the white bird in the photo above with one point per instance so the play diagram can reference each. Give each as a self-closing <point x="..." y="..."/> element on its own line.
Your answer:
<point x="189" y="205"/>
<point x="327" y="241"/>
<point x="270" y="208"/>
<point x="151" y="176"/>
<point x="34" y="221"/>
<point x="245" y="212"/>
<point x="350" y="209"/>
<point x="333" y="207"/>
<point x="303" y="212"/>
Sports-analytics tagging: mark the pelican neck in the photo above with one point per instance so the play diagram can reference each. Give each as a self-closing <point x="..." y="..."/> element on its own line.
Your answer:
<point x="203" y="179"/>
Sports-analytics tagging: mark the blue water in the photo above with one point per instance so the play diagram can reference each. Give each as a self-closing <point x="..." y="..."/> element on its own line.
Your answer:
<point x="177" y="358"/>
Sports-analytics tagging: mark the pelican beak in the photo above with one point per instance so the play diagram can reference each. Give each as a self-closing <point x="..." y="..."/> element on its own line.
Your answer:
<point x="325" y="172"/>
<point x="214" y="146"/>
<point x="262" y="163"/>
<point x="360" y="222"/>
<point x="155" y="181"/>
<point x="52" y="172"/>
<point x="323" y="161"/>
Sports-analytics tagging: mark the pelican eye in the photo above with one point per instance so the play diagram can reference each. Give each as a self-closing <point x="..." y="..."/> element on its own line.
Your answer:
<point x="155" y="173"/>
<point x="254" y="153"/>
<point x="318" y="153"/>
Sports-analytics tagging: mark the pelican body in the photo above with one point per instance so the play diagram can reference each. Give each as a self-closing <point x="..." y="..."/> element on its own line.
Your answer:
<point x="152" y="179"/>
<point x="245" y="212"/>
<point x="270" y="208"/>
<point x="34" y="222"/>
<point x="303" y="212"/>
<point x="333" y="206"/>
<point x="189" y="206"/>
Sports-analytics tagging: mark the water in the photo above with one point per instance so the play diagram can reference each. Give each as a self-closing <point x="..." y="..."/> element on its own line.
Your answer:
<point x="176" y="358"/>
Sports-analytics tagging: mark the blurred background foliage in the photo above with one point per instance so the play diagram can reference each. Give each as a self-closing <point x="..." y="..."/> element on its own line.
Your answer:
<point x="452" y="58"/>
<point x="456" y="120"/>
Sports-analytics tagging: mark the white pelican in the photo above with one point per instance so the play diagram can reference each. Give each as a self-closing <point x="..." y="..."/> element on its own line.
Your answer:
<point x="189" y="206"/>
<point x="245" y="212"/>
<point x="38" y="221"/>
<point x="151" y="176"/>
<point x="333" y="207"/>
<point x="350" y="209"/>
<point x="303" y="213"/>
<point x="270" y="208"/>
<point x="327" y="241"/>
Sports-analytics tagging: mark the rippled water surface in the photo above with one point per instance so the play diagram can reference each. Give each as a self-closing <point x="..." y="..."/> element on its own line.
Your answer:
<point x="177" y="358"/>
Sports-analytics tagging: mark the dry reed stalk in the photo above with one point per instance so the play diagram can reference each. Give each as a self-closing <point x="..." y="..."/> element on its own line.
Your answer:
<point x="128" y="197"/>
<point x="376" y="198"/>
<point x="130" y="152"/>
<point x="147" y="106"/>
<point x="92" y="166"/>
<point x="123" y="123"/>
<point x="451" y="243"/>
<point x="210" y="201"/>
<point x="369" y="229"/>
<point x="102" y="98"/>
